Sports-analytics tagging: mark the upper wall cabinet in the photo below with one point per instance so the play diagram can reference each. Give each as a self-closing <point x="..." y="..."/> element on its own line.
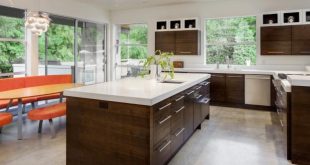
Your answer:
<point x="276" y="40"/>
<point x="301" y="40"/>
<point x="271" y="19"/>
<point x="292" y="17"/>
<point x="186" y="42"/>
<point x="177" y="24"/>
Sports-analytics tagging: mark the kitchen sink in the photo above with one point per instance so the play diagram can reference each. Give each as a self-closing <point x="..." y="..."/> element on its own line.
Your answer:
<point x="172" y="82"/>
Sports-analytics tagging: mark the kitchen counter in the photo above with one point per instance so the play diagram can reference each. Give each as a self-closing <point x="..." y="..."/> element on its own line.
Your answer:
<point x="295" y="80"/>
<point x="299" y="80"/>
<point x="137" y="90"/>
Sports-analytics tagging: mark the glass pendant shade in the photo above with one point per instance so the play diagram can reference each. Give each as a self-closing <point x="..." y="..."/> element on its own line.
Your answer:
<point x="37" y="22"/>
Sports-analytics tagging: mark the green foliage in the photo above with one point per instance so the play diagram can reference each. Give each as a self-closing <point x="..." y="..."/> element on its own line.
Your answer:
<point x="11" y="52"/>
<point x="60" y="43"/>
<point x="136" y="36"/>
<point x="233" y="37"/>
<point x="163" y="60"/>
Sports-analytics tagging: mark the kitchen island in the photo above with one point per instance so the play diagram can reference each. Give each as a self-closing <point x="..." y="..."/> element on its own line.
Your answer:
<point x="134" y="120"/>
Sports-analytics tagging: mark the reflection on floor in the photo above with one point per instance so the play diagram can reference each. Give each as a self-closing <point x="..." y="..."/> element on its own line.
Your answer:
<point x="231" y="137"/>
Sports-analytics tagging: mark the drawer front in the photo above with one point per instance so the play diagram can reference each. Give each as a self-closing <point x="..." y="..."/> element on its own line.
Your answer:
<point x="162" y="129"/>
<point x="162" y="151"/>
<point x="177" y="139"/>
<point x="177" y="102"/>
<point x="177" y="119"/>
<point x="162" y="111"/>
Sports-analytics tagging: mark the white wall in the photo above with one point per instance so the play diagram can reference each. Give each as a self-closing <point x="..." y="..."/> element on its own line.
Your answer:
<point x="215" y="9"/>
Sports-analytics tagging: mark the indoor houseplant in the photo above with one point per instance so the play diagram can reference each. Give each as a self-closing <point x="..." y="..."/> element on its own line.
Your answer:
<point x="158" y="62"/>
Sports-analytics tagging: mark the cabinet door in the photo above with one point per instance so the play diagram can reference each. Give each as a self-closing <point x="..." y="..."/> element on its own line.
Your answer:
<point x="187" y="42"/>
<point x="188" y="118"/>
<point x="276" y="40"/>
<point x="197" y="115"/>
<point x="165" y="41"/>
<point x="235" y="88"/>
<point x="301" y="40"/>
<point x="218" y="88"/>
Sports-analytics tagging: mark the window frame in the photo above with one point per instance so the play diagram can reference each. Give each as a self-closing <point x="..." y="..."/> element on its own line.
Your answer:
<point x="206" y="43"/>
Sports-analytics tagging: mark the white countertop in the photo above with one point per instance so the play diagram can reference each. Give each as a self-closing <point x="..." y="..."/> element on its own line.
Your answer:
<point x="285" y="84"/>
<point x="299" y="80"/>
<point x="138" y="90"/>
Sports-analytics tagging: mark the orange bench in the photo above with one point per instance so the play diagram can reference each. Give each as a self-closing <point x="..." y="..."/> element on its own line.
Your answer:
<point x="31" y="81"/>
<point x="48" y="113"/>
<point x="5" y="118"/>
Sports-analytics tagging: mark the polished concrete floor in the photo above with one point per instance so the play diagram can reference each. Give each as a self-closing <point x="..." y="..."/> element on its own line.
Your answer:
<point x="231" y="137"/>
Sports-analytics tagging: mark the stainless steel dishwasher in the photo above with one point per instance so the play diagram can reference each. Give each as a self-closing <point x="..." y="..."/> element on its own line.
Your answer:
<point x="257" y="90"/>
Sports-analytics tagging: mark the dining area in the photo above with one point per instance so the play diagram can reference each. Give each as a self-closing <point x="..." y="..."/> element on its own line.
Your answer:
<point x="32" y="99"/>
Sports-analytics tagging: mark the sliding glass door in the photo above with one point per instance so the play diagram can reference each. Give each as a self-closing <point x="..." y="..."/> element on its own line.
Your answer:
<point x="91" y="53"/>
<point x="74" y="47"/>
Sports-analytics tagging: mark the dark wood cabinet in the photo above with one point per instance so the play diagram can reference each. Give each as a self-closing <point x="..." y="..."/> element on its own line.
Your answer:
<point x="179" y="42"/>
<point x="227" y="89"/>
<point x="276" y="40"/>
<point x="218" y="88"/>
<point x="235" y="88"/>
<point x="301" y="40"/>
<point x="188" y="114"/>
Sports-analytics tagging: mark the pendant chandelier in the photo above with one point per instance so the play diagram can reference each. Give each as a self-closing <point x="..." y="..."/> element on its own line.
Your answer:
<point x="37" y="22"/>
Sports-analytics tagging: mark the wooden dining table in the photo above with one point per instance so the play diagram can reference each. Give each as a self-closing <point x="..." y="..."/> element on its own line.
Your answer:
<point x="28" y="92"/>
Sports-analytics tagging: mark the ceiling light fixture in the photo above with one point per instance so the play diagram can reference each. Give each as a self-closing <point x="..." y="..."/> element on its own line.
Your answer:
<point x="37" y="22"/>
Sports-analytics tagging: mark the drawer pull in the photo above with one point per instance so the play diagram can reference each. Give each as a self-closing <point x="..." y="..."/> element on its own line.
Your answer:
<point x="305" y="52"/>
<point x="275" y="52"/>
<point x="206" y="83"/>
<point x="189" y="93"/>
<point x="179" y="110"/>
<point x="180" y="132"/>
<point x="164" y="106"/>
<point x="180" y="98"/>
<point x="166" y="145"/>
<point x="235" y="76"/>
<point x="198" y="97"/>
<point x="185" y="52"/>
<point x="198" y="87"/>
<point x="217" y="76"/>
<point x="167" y="118"/>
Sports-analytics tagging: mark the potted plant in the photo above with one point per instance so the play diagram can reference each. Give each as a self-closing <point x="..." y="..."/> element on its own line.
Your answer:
<point x="157" y="63"/>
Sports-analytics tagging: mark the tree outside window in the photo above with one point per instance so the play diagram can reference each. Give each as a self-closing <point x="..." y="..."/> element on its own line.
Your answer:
<point x="232" y="37"/>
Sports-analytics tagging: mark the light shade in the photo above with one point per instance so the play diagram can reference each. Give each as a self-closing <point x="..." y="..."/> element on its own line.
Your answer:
<point x="37" y="22"/>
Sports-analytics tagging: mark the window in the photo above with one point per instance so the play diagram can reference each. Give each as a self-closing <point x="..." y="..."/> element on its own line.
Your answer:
<point x="56" y="47"/>
<point x="131" y="47"/>
<point x="12" y="42"/>
<point x="232" y="37"/>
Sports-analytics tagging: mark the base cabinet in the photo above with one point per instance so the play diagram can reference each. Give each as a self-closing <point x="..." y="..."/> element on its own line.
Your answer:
<point x="103" y="132"/>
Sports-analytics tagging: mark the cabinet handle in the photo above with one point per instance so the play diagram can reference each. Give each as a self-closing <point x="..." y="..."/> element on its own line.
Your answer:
<point x="198" y="87"/>
<point x="166" y="145"/>
<point x="179" y="110"/>
<point x="206" y="83"/>
<point x="167" y="118"/>
<point x="189" y="93"/>
<point x="235" y="76"/>
<point x="216" y="76"/>
<point x="275" y="52"/>
<point x="180" y="98"/>
<point x="165" y="106"/>
<point x="281" y="123"/>
<point x="185" y="52"/>
<point x="305" y="52"/>
<point x="180" y="132"/>
<point x="198" y="97"/>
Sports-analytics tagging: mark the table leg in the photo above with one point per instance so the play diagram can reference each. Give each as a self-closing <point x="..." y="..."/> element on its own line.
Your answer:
<point x="61" y="97"/>
<point x="20" y="120"/>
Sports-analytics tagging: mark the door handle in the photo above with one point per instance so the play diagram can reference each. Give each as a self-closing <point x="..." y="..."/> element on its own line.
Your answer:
<point x="167" y="118"/>
<point x="179" y="110"/>
<point x="166" y="145"/>
<point x="161" y="108"/>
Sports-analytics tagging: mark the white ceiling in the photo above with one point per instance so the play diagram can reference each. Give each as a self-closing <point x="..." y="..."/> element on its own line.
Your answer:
<point x="128" y="4"/>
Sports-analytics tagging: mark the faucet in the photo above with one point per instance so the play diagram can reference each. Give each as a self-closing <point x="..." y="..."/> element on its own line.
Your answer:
<point x="228" y="62"/>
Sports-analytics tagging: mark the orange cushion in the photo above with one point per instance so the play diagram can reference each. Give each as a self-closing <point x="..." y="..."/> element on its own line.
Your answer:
<point x="5" y="103"/>
<point x="48" y="97"/>
<point x="47" y="80"/>
<point x="5" y="118"/>
<point x="49" y="112"/>
<point x="12" y="83"/>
